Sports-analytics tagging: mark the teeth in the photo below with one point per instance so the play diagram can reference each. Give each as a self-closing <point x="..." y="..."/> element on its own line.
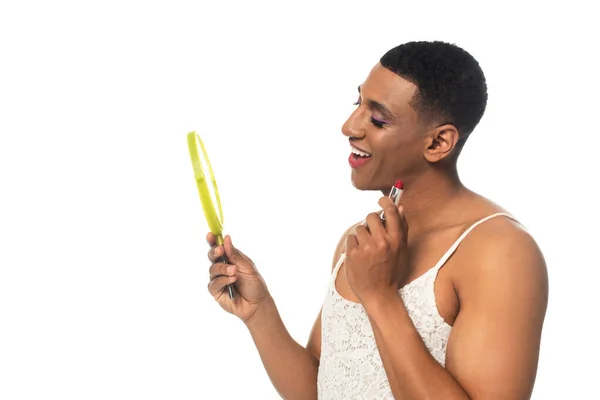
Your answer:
<point x="360" y="153"/>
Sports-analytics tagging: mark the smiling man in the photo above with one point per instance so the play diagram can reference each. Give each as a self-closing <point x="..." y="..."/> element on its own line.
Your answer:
<point x="446" y="300"/>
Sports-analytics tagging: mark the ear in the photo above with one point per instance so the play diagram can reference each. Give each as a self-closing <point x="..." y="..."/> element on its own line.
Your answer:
<point x="440" y="143"/>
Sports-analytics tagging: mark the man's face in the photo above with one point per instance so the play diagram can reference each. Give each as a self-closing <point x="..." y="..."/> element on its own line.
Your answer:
<point x="386" y="127"/>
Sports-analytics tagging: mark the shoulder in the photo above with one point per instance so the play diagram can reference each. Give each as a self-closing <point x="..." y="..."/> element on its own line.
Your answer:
<point x="502" y="288"/>
<point x="501" y="253"/>
<point x="502" y="237"/>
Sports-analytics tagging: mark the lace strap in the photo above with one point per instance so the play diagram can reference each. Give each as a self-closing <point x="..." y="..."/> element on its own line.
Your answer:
<point x="455" y="245"/>
<point x="338" y="265"/>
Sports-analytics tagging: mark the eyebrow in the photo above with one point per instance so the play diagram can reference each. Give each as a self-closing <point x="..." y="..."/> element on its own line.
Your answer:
<point x="380" y="108"/>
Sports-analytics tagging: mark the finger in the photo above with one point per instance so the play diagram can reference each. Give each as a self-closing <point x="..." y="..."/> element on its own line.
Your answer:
<point x="393" y="223"/>
<point x="215" y="253"/>
<point x="351" y="243"/>
<point x="211" y="239"/>
<point x="221" y="269"/>
<point x="362" y="234"/>
<point x="217" y="285"/>
<point x="375" y="225"/>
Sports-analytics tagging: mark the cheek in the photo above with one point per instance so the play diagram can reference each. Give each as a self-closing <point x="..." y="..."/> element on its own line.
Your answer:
<point x="393" y="143"/>
<point x="401" y="153"/>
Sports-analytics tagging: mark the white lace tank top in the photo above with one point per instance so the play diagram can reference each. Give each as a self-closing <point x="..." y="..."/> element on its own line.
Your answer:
<point x="350" y="366"/>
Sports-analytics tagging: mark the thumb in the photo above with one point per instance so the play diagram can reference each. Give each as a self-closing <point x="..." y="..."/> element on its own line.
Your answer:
<point x="232" y="254"/>
<point x="242" y="262"/>
<point x="403" y="223"/>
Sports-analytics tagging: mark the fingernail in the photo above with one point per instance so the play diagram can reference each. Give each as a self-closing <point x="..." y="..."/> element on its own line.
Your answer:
<point x="230" y="270"/>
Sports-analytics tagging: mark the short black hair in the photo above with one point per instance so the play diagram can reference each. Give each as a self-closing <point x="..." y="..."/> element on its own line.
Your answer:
<point x="451" y="87"/>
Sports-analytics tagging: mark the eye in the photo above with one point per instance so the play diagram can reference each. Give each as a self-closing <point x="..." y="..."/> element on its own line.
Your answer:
<point x="378" y="123"/>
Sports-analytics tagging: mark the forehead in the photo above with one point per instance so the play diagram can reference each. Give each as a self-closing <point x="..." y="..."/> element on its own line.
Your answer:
<point x="390" y="89"/>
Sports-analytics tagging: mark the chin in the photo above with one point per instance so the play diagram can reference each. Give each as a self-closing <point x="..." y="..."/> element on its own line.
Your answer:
<point x="361" y="183"/>
<point x="368" y="183"/>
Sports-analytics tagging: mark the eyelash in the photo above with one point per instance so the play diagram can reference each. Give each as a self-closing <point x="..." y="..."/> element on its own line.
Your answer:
<point x="376" y="122"/>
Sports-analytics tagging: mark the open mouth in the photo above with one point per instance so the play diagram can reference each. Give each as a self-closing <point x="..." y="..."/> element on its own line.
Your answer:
<point x="358" y="154"/>
<point x="358" y="158"/>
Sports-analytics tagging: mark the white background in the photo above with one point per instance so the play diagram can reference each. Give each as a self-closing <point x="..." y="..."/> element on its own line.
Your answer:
<point x="103" y="267"/>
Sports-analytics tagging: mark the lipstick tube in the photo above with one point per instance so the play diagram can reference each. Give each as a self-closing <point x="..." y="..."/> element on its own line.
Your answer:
<point x="395" y="195"/>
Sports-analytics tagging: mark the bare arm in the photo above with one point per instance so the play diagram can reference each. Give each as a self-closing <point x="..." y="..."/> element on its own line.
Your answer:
<point x="494" y="345"/>
<point x="291" y="367"/>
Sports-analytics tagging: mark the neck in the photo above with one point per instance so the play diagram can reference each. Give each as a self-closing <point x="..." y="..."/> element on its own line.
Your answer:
<point x="430" y="199"/>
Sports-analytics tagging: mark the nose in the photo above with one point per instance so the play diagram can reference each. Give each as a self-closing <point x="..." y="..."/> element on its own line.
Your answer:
<point x="353" y="127"/>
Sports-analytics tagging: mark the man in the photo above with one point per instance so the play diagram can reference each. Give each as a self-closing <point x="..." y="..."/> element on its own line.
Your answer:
<point x="447" y="299"/>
